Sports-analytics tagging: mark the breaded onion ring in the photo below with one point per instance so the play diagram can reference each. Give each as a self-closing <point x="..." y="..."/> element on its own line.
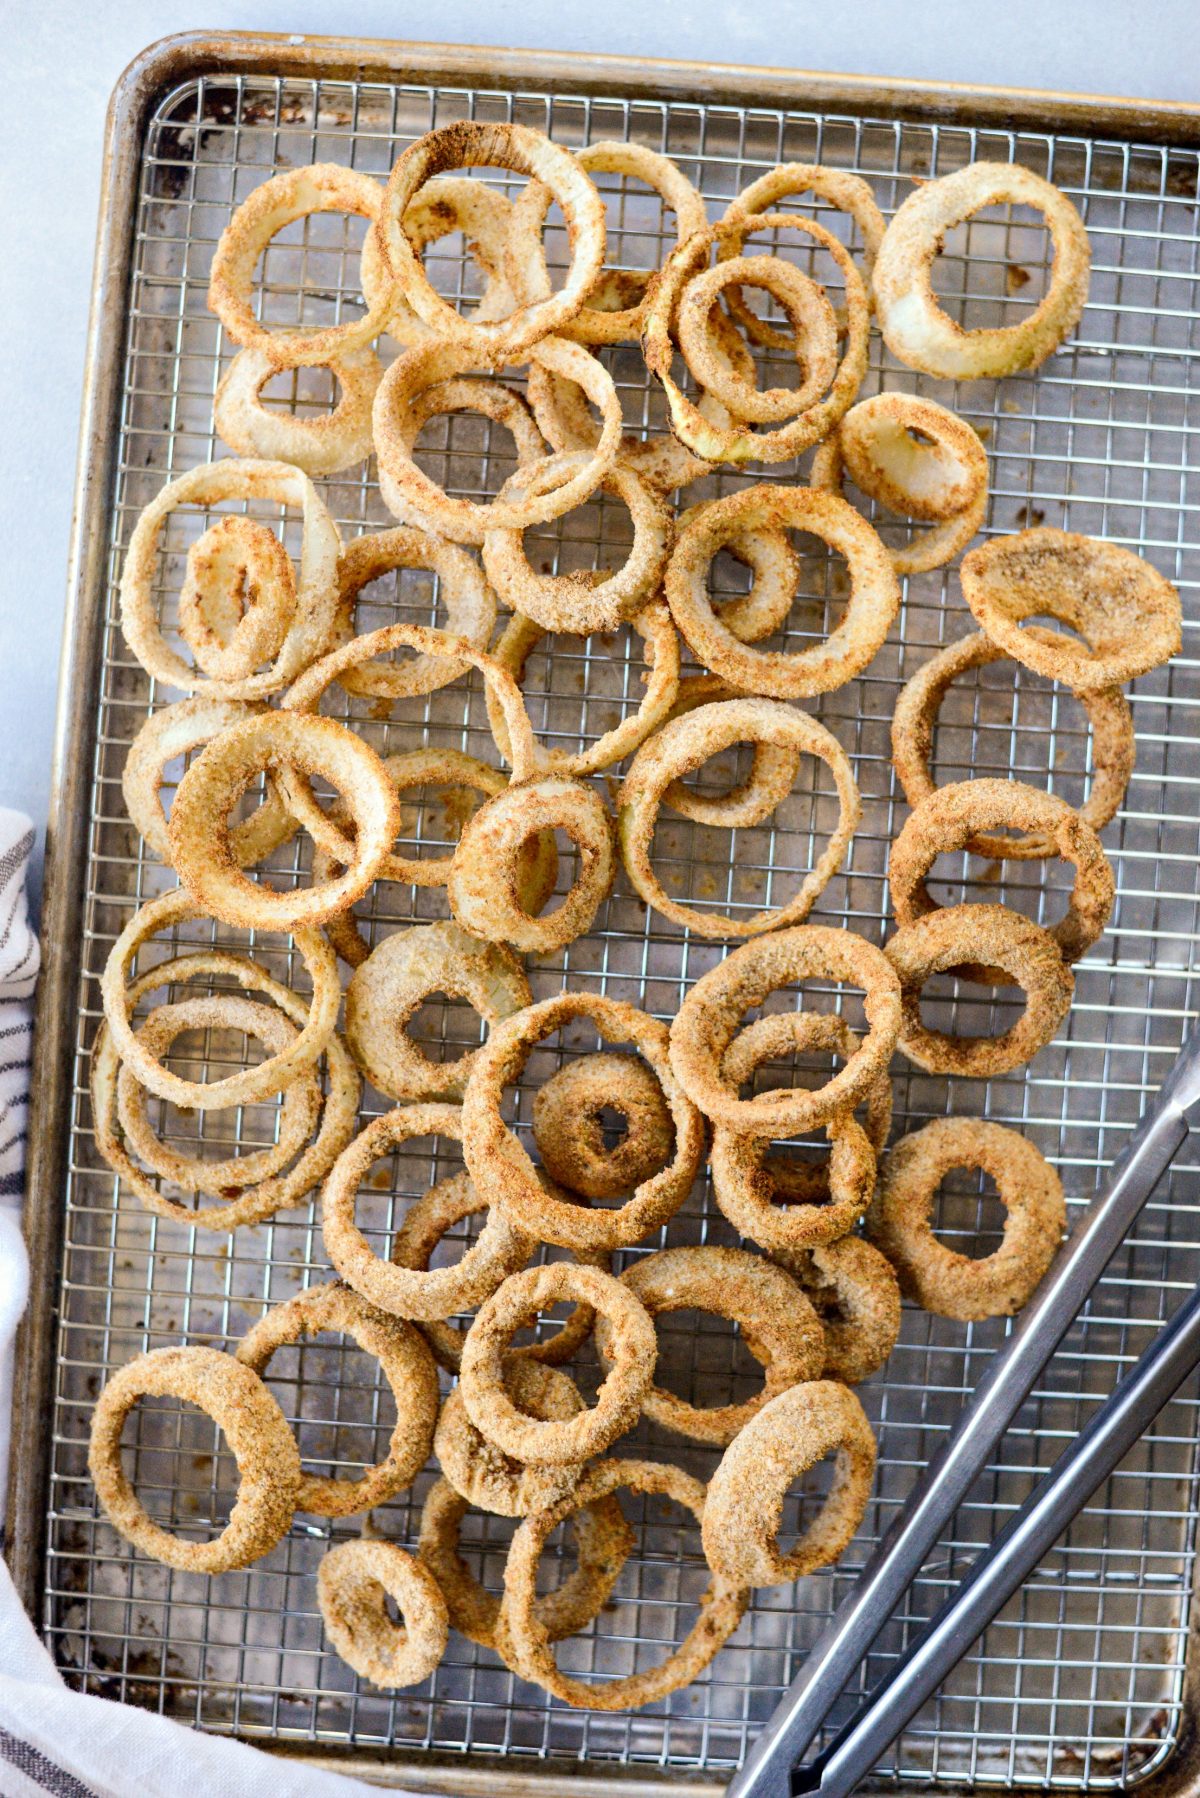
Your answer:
<point x="525" y="262"/>
<point x="900" y="1221"/>
<point x="752" y="800"/>
<point x="722" y="1604"/>
<point x="293" y="194"/>
<point x="174" y="731"/>
<point x="462" y="588"/>
<point x="278" y="742"/>
<point x="581" y="603"/>
<point x="451" y="203"/>
<point x="249" y="1084"/>
<point x="712" y="1011"/>
<point x="568" y="1131"/>
<point x="405" y="1291"/>
<point x="603" y="1543"/>
<point x="918" y="459"/>
<point x="398" y="418"/>
<point x="777" y="1323"/>
<point x="855" y="1293"/>
<point x="814" y="343"/>
<point x="267" y="1458"/>
<point x="406" y="1364"/>
<point x="991" y="938"/>
<point x="468" y="143"/>
<point x="776" y="570"/>
<point x="565" y="1442"/>
<point x="915" y="717"/>
<point x="1128" y="615"/>
<point x="238" y="599"/>
<point x="951" y="816"/>
<point x="682" y="746"/>
<point x="322" y="445"/>
<point x="482" y="1472"/>
<point x="486" y="887"/>
<point x="504" y="406"/>
<point x="871" y="608"/>
<point x="393" y="983"/>
<point x="785" y="1033"/>
<point x="916" y="328"/>
<point x="744" y="1508"/>
<point x="308" y="635"/>
<point x="499" y="1164"/>
<point x="354" y="1582"/>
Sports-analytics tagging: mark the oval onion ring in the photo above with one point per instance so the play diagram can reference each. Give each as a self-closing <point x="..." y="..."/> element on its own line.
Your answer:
<point x="900" y="1221"/>
<point x="916" y="328"/>
<point x="326" y="444"/>
<point x="855" y="1293"/>
<point x="814" y="342"/>
<point x="238" y="599"/>
<point x="488" y="399"/>
<point x="682" y="746"/>
<point x="785" y="1033"/>
<point x="462" y="588"/>
<point x="569" y="1133"/>
<point x="750" y="801"/>
<point x="268" y="1460"/>
<point x="354" y="1581"/>
<point x="499" y="1164"/>
<point x="487" y="1477"/>
<point x="1128" y="615"/>
<point x="870" y="610"/>
<point x="744" y="1508"/>
<point x="915" y="717"/>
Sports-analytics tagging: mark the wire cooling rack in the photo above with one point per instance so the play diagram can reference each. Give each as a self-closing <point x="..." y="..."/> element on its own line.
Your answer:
<point x="1080" y="1681"/>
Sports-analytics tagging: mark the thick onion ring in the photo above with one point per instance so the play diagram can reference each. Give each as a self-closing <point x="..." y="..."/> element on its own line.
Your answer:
<point x="324" y="445"/>
<point x="570" y="1138"/>
<point x="354" y="1581"/>
<point x="682" y="746"/>
<point x="462" y="588"/>
<point x="784" y="1033"/>
<point x="238" y="598"/>
<point x="914" y="325"/>
<point x="484" y="1475"/>
<point x="855" y="1293"/>
<point x="940" y="1279"/>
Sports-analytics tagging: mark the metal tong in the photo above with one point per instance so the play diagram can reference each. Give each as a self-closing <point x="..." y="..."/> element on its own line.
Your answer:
<point x="770" y="1770"/>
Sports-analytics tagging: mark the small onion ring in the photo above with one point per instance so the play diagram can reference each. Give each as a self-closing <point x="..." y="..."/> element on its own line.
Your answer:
<point x="499" y="1164"/>
<point x="997" y="941"/>
<point x="486" y="887"/>
<point x="870" y="610"/>
<point x="950" y="816"/>
<point x="238" y="599"/>
<point x="722" y="1604"/>
<point x="568" y="1441"/>
<point x="855" y="1293"/>
<point x="900" y="1222"/>
<point x="462" y="588"/>
<point x="323" y="445"/>
<point x="406" y="1364"/>
<point x="776" y="570"/>
<point x="354" y="1581"/>
<point x="469" y="143"/>
<point x="784" y="1033"/>
<point x="777" y="1323"/>
<point x="484" y="1475"/>
<point x="711" y="1012"/>
<point x="915" y="717"/>
<point x="1128" y="615"/>
<point x="406" y="1291"/>
<point x="914" y="325"/>
<point x="267" y="1457"/>
<point x="567" y="1129"/>
<point x="771" y="778"/>
<point x="744" y="1508"/>
<point x="449" y="204"/>
<point x="814" y="342"/>
<point x="502" y="405"/>
<point x="397" y="977"/>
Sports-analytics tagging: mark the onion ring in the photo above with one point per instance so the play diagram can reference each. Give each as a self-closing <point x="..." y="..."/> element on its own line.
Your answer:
<point x="752" y="800"/>
<point x="900" y="1221"/>
<point x="452" y="203"/>
<point x="914" y="719"/>
<point x="526" y="264"/>
<point x="946" y="820"/>
<point x="485" y="884"/>
<point x="320" y="545"/>
<point x="785" y="1033"/>
<point x="744" y="1508"/>
<point x="994" y="940"/>
<point x="469" y="601"/>
<point x="709" y="1017"/>
<point x="568" y="1441"/>
<point x="276" y="742"/>
<point x="918" y="459"/>
<point x="393" y="983"/>
<point x="915" y="327"/>
<point x="238" y="599"/>
<point x="776" y="570"/>
<point x="722" y="1604"/>
<point x="468" y="143"/>
<point x="323" y="445"/>
<point x="1128" y="615"/>
<point x="293" y="194"/>
<point x="267" y="1457"/>
<point x="502" y="405"/>
<point x="174" y="731"/>
<point x="499" y="1164"/>
<point x="250" y="1084"/>
<point x="354" y="1581"/>
<point x="777" y="1322"/>
<point x="406" y="1364"/>
<point x="484" y="1475"/>
<point x="870" y="610"/>
<point x="814" y="343"/>
<point x="855" y="1293"/>
<point x="682" y="746"/>
<point x="411" y="1292"/>
<point x="570" y="1138"/>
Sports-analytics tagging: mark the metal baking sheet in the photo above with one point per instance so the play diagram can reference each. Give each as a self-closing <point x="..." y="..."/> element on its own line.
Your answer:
<point x="1082" y="1682"/>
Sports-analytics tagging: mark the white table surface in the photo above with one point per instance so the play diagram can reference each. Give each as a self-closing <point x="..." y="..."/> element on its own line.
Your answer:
<point x="63" y="57"/>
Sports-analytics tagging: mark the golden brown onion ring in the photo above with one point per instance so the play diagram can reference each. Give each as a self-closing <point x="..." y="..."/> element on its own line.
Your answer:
<point x="568" y="1131"/>
<point x="321" y="445"/>
<point x="449" y="204"/>
<point x="482" y="1472"/>
<point x="354" y="1582"/>
<point x="469" y="603"/>
<point x="814" y="341"/>
<point x="856" y="1294"/>
<point x="238" y="599"/>
<point x="752" y="800"/>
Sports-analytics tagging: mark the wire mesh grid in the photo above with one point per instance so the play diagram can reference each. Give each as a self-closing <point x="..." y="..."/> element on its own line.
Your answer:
<point x="1080" y="1681"/>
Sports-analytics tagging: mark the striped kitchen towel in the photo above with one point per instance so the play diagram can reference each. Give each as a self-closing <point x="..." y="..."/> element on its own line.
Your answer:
<point x="20" y="960"/>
